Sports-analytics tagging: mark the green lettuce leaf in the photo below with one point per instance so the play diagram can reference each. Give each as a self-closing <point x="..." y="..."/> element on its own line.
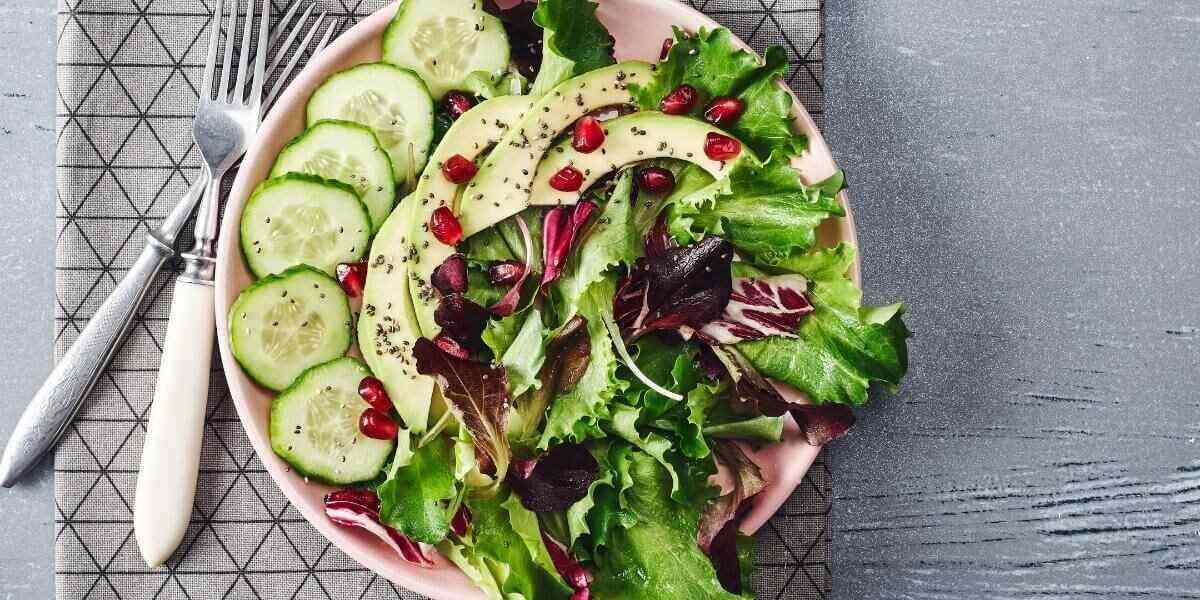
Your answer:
<point x="416" y="499"/>
<point x="821" y="264"/>
<point x="576" y="415"/>
<point x="658" y="558"/>
<point x="690" y="430"/>
<point x="712" y="62"/>
<point x="624" y="426"/>
<point x="611" y="239"/>
<point x="709" y="61"/>
<point x="764" y="210"/>
<point x="486" y="246"/>
<point x="503" y="551"/>
<point x="573" y="42"/>
<point x="499" y="334"/>
<point x="523" y="358"/>
<point x="672" y="367"/>
<point x="766" y="124"/>
<point x="841" y="347"/>
<point x="604" y="507"/>
<point x="762" y="428"/>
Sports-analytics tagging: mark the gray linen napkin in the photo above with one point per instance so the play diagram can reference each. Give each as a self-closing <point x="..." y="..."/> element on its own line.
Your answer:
<point x="127" y="73"/>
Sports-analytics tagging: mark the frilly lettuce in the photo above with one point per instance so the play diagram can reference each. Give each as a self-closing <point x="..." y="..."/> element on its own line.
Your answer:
<point x="658" y="557"/>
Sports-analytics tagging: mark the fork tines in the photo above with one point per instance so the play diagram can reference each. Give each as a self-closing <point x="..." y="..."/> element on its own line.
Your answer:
<point x="284" y="38"/>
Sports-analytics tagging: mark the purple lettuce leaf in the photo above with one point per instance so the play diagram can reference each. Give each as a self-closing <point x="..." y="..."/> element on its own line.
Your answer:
<point x="478" y="395"/>
<point x="747" y="480"/>
<point x="558" y="479"/>
<point x="682" y="287"/>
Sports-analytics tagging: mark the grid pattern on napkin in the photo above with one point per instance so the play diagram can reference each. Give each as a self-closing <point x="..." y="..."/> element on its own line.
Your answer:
<point x="127" y="75"/>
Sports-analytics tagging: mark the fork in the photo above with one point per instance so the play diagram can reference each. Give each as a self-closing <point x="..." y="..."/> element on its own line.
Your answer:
<point x="54" y="405"/>
<point x="227" y="118"/>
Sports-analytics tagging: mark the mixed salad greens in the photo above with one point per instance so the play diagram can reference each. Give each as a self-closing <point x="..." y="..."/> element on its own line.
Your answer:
<point x="583" y="309"/>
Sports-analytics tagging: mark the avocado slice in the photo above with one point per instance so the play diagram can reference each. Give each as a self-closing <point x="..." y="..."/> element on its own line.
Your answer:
<point x="388" y="325"/>
<point x="474" y="133"/>
<point x="632" y="138"/>
<point x="502" y="186"/>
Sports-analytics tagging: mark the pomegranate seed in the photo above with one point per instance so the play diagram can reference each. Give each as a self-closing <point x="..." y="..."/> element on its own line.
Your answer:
<point x="461" y="521"/>
<point x="666" y="48"/>
<point x="377" y="425"/>
<point x="506" y="272"/>
<point x="451" y="346"/>
<point x="371" y="390"/>
<point x="458" y="103"/>
<point x="656" y="180"/>
<point x="450" y="277"/>
<point x="589" y="135"/>
<point x="445" y="226"/>
<point x="567" y="179"/>
<point x="352" y="277"/>
<point x="458" y="169"/>
<point x="721" y="147"/>
<point x="724" y="111"/>
<point x="680" y="101"/>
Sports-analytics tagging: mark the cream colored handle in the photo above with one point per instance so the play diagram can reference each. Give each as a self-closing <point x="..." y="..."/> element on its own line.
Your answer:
<point x="166" y="485"/>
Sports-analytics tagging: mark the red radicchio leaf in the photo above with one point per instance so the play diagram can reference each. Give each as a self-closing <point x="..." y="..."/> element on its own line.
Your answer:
<point x="461" y="521"/>
<point x="508" y="304"/>
<point x="558" y="235"/>
<point x="558" y="479"/>
<point x="683" y="287"/>
<point x="360" y="508"/>
<point x="754" y="395"/>
<point x="759" y="308"/>
<point x="478" y="395"/>
<point x="575" y="575"/>
<point x="658" y="239"/>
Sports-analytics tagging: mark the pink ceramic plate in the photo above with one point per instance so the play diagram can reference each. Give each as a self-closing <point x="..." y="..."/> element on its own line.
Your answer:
<point x="639" y="27"/>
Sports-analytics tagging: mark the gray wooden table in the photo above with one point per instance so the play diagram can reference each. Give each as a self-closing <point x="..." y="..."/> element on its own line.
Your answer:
<point x="1027" y="175"/>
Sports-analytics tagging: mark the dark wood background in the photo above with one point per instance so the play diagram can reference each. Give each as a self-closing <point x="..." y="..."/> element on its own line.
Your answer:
<point x="1027" y="175"/>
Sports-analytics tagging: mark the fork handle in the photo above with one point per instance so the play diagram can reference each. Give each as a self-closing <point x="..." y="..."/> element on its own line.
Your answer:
<point x="166" y="483"/>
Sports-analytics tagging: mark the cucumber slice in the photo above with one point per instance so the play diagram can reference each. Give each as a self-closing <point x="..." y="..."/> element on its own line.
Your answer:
<point x="346" y="152"/>
<point x="286" y="323"/>
<point x="445" y="41"/>
<point x="393" y="102"/>
<point x="314" y="425"/>
<point x="302" y="219"/>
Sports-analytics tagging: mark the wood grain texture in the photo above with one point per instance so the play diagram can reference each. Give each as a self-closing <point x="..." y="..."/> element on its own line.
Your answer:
<point x="1027" y="175"/>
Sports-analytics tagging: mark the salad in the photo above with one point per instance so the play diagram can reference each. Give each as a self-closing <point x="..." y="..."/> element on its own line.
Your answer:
<point x="529" y="309"/>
